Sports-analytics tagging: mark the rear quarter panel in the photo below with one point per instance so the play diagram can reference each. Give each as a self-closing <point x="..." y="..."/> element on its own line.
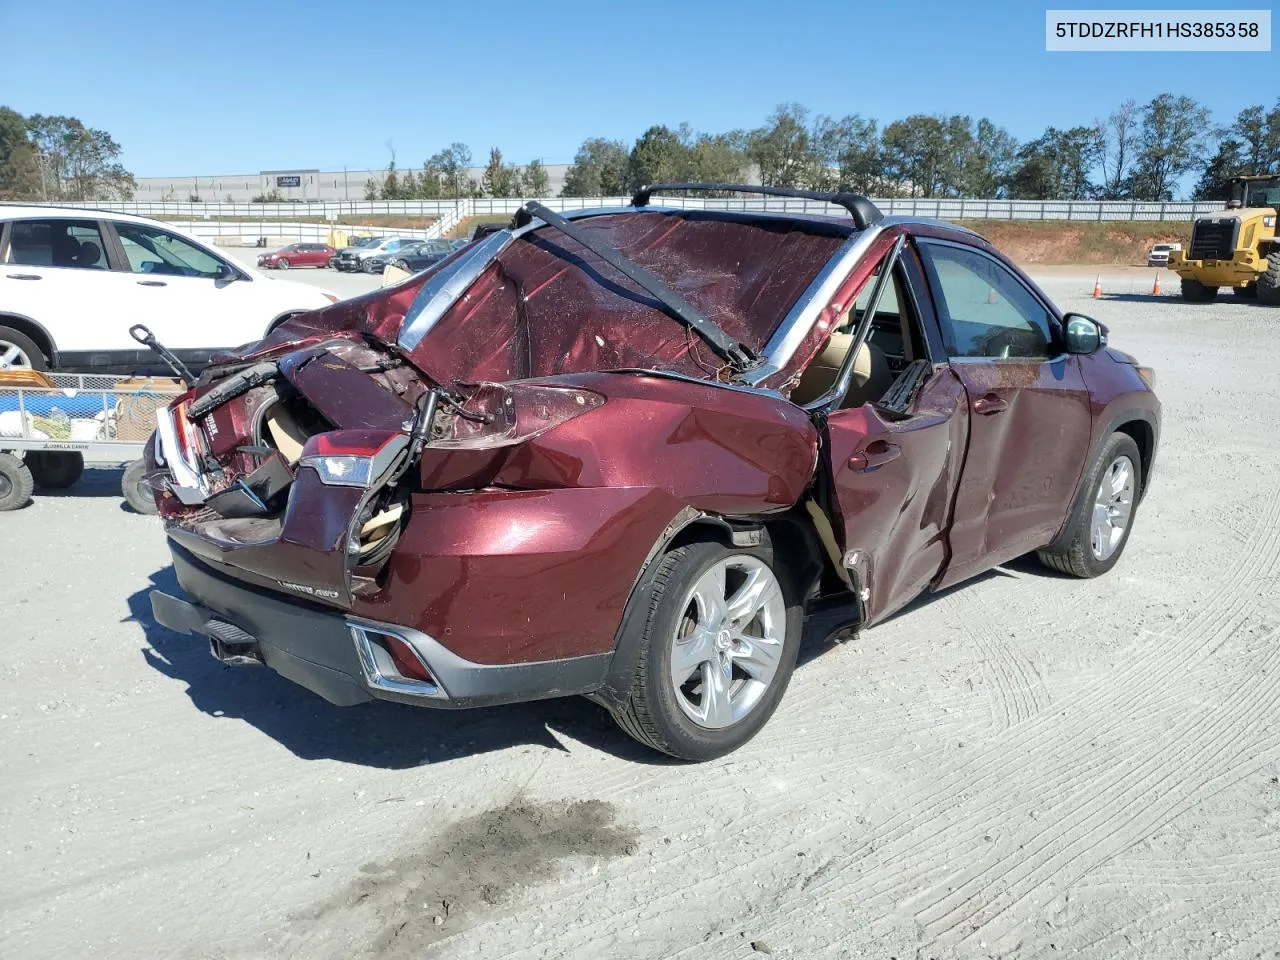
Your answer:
<point x="539" y="563"/>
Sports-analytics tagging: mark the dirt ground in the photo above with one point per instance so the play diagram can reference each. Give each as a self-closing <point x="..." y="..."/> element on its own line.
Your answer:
<point x="1024" y="766"/>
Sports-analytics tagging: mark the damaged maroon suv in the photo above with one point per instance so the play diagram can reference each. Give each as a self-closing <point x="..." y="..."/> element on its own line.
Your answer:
<point x="624" y="453"/>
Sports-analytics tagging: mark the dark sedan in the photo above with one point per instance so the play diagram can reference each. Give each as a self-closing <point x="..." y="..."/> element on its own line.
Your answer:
<point x="410" y="258"/>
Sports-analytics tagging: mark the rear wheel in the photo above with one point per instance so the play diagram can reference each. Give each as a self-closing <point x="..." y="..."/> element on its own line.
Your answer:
<point x="54" y="470"/>
<point x="20" y="352"/>
<point x="717" y="648"/>
<point x="283" y="263"/>
<point x="15" y="483"/>
<point x="1197" y="292"/>
<point x="137" y="491"/>
<point x="1103" y="516"/>
<point x="1268" y="286"/>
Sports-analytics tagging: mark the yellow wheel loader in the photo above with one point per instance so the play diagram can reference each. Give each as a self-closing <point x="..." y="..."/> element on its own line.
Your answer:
<point x="1236" y="248"/>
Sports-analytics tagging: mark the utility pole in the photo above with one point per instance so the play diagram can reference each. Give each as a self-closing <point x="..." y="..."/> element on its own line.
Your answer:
<point x="346" y="184"/>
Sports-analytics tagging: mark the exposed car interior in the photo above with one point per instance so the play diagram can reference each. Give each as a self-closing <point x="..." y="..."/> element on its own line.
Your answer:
<point x="893" y="343"/>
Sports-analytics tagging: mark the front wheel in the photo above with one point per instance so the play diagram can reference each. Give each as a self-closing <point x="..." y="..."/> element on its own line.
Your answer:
<point x="718" y="644"/>
<point x="1197" y="292"/>
<point x="282" y="264"/>
<point x="1268" y="285"/>
<point x="1102" y="518"/>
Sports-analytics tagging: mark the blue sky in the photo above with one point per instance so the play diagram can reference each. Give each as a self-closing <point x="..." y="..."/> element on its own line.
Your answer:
<point x="236" y="87"/>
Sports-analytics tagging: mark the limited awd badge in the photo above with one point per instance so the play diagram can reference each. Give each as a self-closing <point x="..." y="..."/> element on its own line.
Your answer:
<point x="309" y="591"/>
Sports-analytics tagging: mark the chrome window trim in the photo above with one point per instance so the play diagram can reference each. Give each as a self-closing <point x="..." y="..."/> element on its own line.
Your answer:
<point x="444" y="289"/>
<point x="795" y="326"/>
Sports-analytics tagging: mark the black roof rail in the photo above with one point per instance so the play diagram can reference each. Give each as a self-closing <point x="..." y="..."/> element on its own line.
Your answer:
<point x="863" y="211"/>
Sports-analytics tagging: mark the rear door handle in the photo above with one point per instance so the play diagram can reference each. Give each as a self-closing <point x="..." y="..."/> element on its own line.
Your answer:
<point x="152" y="283"/>
<point x="876" y="455"/>
<point x="23" y="276"/>
<point x="990" y="404"/>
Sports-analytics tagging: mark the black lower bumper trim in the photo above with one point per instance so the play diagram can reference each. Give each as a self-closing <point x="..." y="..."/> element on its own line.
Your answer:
<point x="315" y="646"/>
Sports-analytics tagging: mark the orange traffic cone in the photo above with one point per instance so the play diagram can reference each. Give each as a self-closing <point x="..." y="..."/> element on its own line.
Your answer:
<point x="991" y="294"/>
<point x="1097" y="288"/>
<point x="1155" y="287"/>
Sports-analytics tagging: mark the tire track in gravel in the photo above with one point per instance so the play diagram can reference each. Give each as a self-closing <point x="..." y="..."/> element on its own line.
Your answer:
<point x="1117" y="812"/>
<point x="1186" y="643"/>
<point x="1041" y="738"/>
<point x="1020" y="690"/>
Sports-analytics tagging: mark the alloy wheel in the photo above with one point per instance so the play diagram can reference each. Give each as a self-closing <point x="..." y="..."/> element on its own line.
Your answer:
<point x="1112" y="508"/>
<point x="728" y="643"/>
<point x="13" y="357"/>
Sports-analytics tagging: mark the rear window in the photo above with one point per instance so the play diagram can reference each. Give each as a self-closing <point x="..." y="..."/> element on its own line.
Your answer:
<point x="548" y="306"/>
<point x="57" y="243"/>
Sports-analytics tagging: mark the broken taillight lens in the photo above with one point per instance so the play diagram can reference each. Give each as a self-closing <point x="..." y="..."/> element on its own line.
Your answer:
<point x="497" y="415"/>
<point x="352" y="458"/>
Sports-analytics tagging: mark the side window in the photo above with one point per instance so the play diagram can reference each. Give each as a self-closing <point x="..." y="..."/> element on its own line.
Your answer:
<point x="985" y="310"/>
<point x="57" y="243"/>
<point x="152" y="250"/>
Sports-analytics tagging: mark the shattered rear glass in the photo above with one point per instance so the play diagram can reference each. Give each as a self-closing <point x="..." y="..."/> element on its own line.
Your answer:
<point x="547" y="306"/>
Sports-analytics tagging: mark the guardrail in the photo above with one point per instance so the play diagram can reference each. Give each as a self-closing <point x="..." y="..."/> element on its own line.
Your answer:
<point x="452" y="211"/>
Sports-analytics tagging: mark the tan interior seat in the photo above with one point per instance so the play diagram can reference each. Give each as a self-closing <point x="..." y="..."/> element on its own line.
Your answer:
<point x="871" y="373"/>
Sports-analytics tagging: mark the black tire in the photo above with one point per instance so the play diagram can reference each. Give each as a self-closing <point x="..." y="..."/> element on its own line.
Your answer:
<point x="137" y="491"/>
<point x="55" y="470"/>
<point x="401" y="265"/>
<point x="1246" y="293"/>
<point x="15" y="483"/>
<point x="1197" y="292"/>
<point x="17" y="338"/>
<point x="1077" y="557"/>
<point x="650" y="713"/>
<point x="1268" y="286"/>
<point x="283" y="263"/>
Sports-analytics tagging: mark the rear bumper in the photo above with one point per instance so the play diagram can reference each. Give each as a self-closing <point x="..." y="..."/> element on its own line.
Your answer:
<point x="328" y="653"/>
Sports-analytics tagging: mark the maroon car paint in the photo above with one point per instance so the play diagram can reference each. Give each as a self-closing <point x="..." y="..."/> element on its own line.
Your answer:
<point x="897" y="515"/>
<point x="548" y="306"/>
<point x="1015" y="493"/>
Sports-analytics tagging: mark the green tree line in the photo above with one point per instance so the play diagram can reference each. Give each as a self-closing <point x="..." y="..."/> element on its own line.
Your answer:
<point x="59" y="158"/>
<point x="1138" y="152"/>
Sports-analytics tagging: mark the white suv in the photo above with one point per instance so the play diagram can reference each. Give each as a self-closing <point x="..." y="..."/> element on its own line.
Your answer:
<point x="74" y="280"/>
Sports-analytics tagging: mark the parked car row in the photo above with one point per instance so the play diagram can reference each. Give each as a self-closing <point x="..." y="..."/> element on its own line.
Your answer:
<point x="374" y="254"/>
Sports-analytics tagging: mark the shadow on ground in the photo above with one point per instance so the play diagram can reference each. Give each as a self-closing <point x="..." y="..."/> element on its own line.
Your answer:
<point x="376" y="734"/>
<point x="394" y="736"/>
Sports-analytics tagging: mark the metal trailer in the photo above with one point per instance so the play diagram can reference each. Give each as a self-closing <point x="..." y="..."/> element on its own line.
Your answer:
<point x="51" y="423"/>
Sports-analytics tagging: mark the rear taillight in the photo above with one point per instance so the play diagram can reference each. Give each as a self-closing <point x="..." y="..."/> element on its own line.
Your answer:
<point x="498" y="416"/>
<point x="352" y="458"/>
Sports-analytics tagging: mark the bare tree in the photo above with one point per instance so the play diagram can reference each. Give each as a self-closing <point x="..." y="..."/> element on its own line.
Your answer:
<point x="1119" y="135"/>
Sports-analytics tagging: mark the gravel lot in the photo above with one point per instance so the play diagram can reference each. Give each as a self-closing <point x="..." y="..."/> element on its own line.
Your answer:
<point x="1024" y="766"/>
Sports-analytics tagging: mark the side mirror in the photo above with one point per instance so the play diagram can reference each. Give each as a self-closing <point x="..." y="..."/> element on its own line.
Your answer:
<point x="226" y="272"/>
<point x="1084" y="334"/>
